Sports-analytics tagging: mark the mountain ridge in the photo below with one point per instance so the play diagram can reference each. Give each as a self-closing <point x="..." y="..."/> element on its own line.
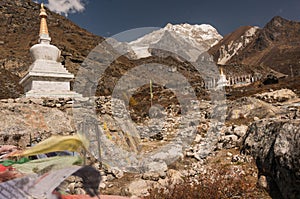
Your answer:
<point x="276" y="45"/>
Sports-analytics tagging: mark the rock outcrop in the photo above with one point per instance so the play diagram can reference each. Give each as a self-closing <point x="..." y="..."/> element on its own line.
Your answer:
<point x="275" y="144"/>
<point x="278" y="96"/>
<point x="248" y="107"/>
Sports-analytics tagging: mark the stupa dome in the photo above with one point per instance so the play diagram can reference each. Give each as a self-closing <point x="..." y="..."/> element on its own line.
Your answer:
<point x="45" y="52"/>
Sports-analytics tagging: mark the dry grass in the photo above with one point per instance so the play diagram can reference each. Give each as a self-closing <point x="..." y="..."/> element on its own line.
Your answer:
<point x="222" y="179"/>
<point x="222" y="186"/>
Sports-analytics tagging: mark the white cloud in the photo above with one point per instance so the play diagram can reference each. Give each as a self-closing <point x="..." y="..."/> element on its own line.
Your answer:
<point x="65" y="6"/>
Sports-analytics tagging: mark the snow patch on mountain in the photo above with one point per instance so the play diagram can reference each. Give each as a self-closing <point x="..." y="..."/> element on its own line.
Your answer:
<point x="141" y="51"/>
<point x="234" y="46"/>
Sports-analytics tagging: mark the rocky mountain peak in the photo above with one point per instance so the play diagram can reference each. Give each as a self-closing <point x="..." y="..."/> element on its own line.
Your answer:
<point x="281" y="30"/>
<point x="277" y="21"/>
<point x="200" y="37"/>
<point x="199" y="32"/>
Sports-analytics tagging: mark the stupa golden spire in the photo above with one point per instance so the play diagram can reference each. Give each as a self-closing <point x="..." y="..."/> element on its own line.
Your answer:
<point x="43" y="26"/>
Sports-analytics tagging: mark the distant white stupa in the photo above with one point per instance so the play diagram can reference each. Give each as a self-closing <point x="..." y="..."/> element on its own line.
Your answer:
<point x="47" y="77"/>
<point x="222" y="82"/>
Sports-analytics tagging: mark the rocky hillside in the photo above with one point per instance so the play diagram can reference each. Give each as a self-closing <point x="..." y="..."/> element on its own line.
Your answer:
<point x="276" y="46"/>
<point x="9" y="84"/>
<point x="272" y="142"/>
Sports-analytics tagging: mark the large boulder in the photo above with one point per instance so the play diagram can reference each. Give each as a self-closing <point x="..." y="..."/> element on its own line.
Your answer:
<point x="249" y="107"/>
<point x="275" y="144"/>
<point x="282" y="95"/>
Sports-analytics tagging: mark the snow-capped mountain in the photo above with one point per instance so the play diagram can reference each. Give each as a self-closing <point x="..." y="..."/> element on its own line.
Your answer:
<point x="200" y="33"/>
<point x="193" y="39"/>
<point x="233" y="43"/>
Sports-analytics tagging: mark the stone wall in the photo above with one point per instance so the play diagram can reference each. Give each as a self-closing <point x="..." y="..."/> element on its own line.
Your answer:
<point x="24" y="121"/>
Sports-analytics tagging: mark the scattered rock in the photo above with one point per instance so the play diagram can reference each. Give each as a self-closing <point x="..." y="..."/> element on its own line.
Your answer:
<point x="80" y="191"/>
<point x="256" y="119"/>
<point x="229" y="154"/>
<point x="262" y="182"/>
<point x="156" y="167"/>
<point x="71" y="187"/>
<point x="151" y="176"/>
<point x="139" y="187"/>
<point x="117" y="172"/>
<point x="175" y="176"/>
<point x="102" y="185"/>
<point x="240" y="131"/>
<point x="110" y="185"/>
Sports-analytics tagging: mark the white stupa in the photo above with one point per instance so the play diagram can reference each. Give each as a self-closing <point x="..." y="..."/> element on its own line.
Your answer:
<point x="47" y="77"/>
<point x="222" y="82"/>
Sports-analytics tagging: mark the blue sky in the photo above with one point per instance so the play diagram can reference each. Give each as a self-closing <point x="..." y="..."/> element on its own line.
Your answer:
<point x="110" y="17"/>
